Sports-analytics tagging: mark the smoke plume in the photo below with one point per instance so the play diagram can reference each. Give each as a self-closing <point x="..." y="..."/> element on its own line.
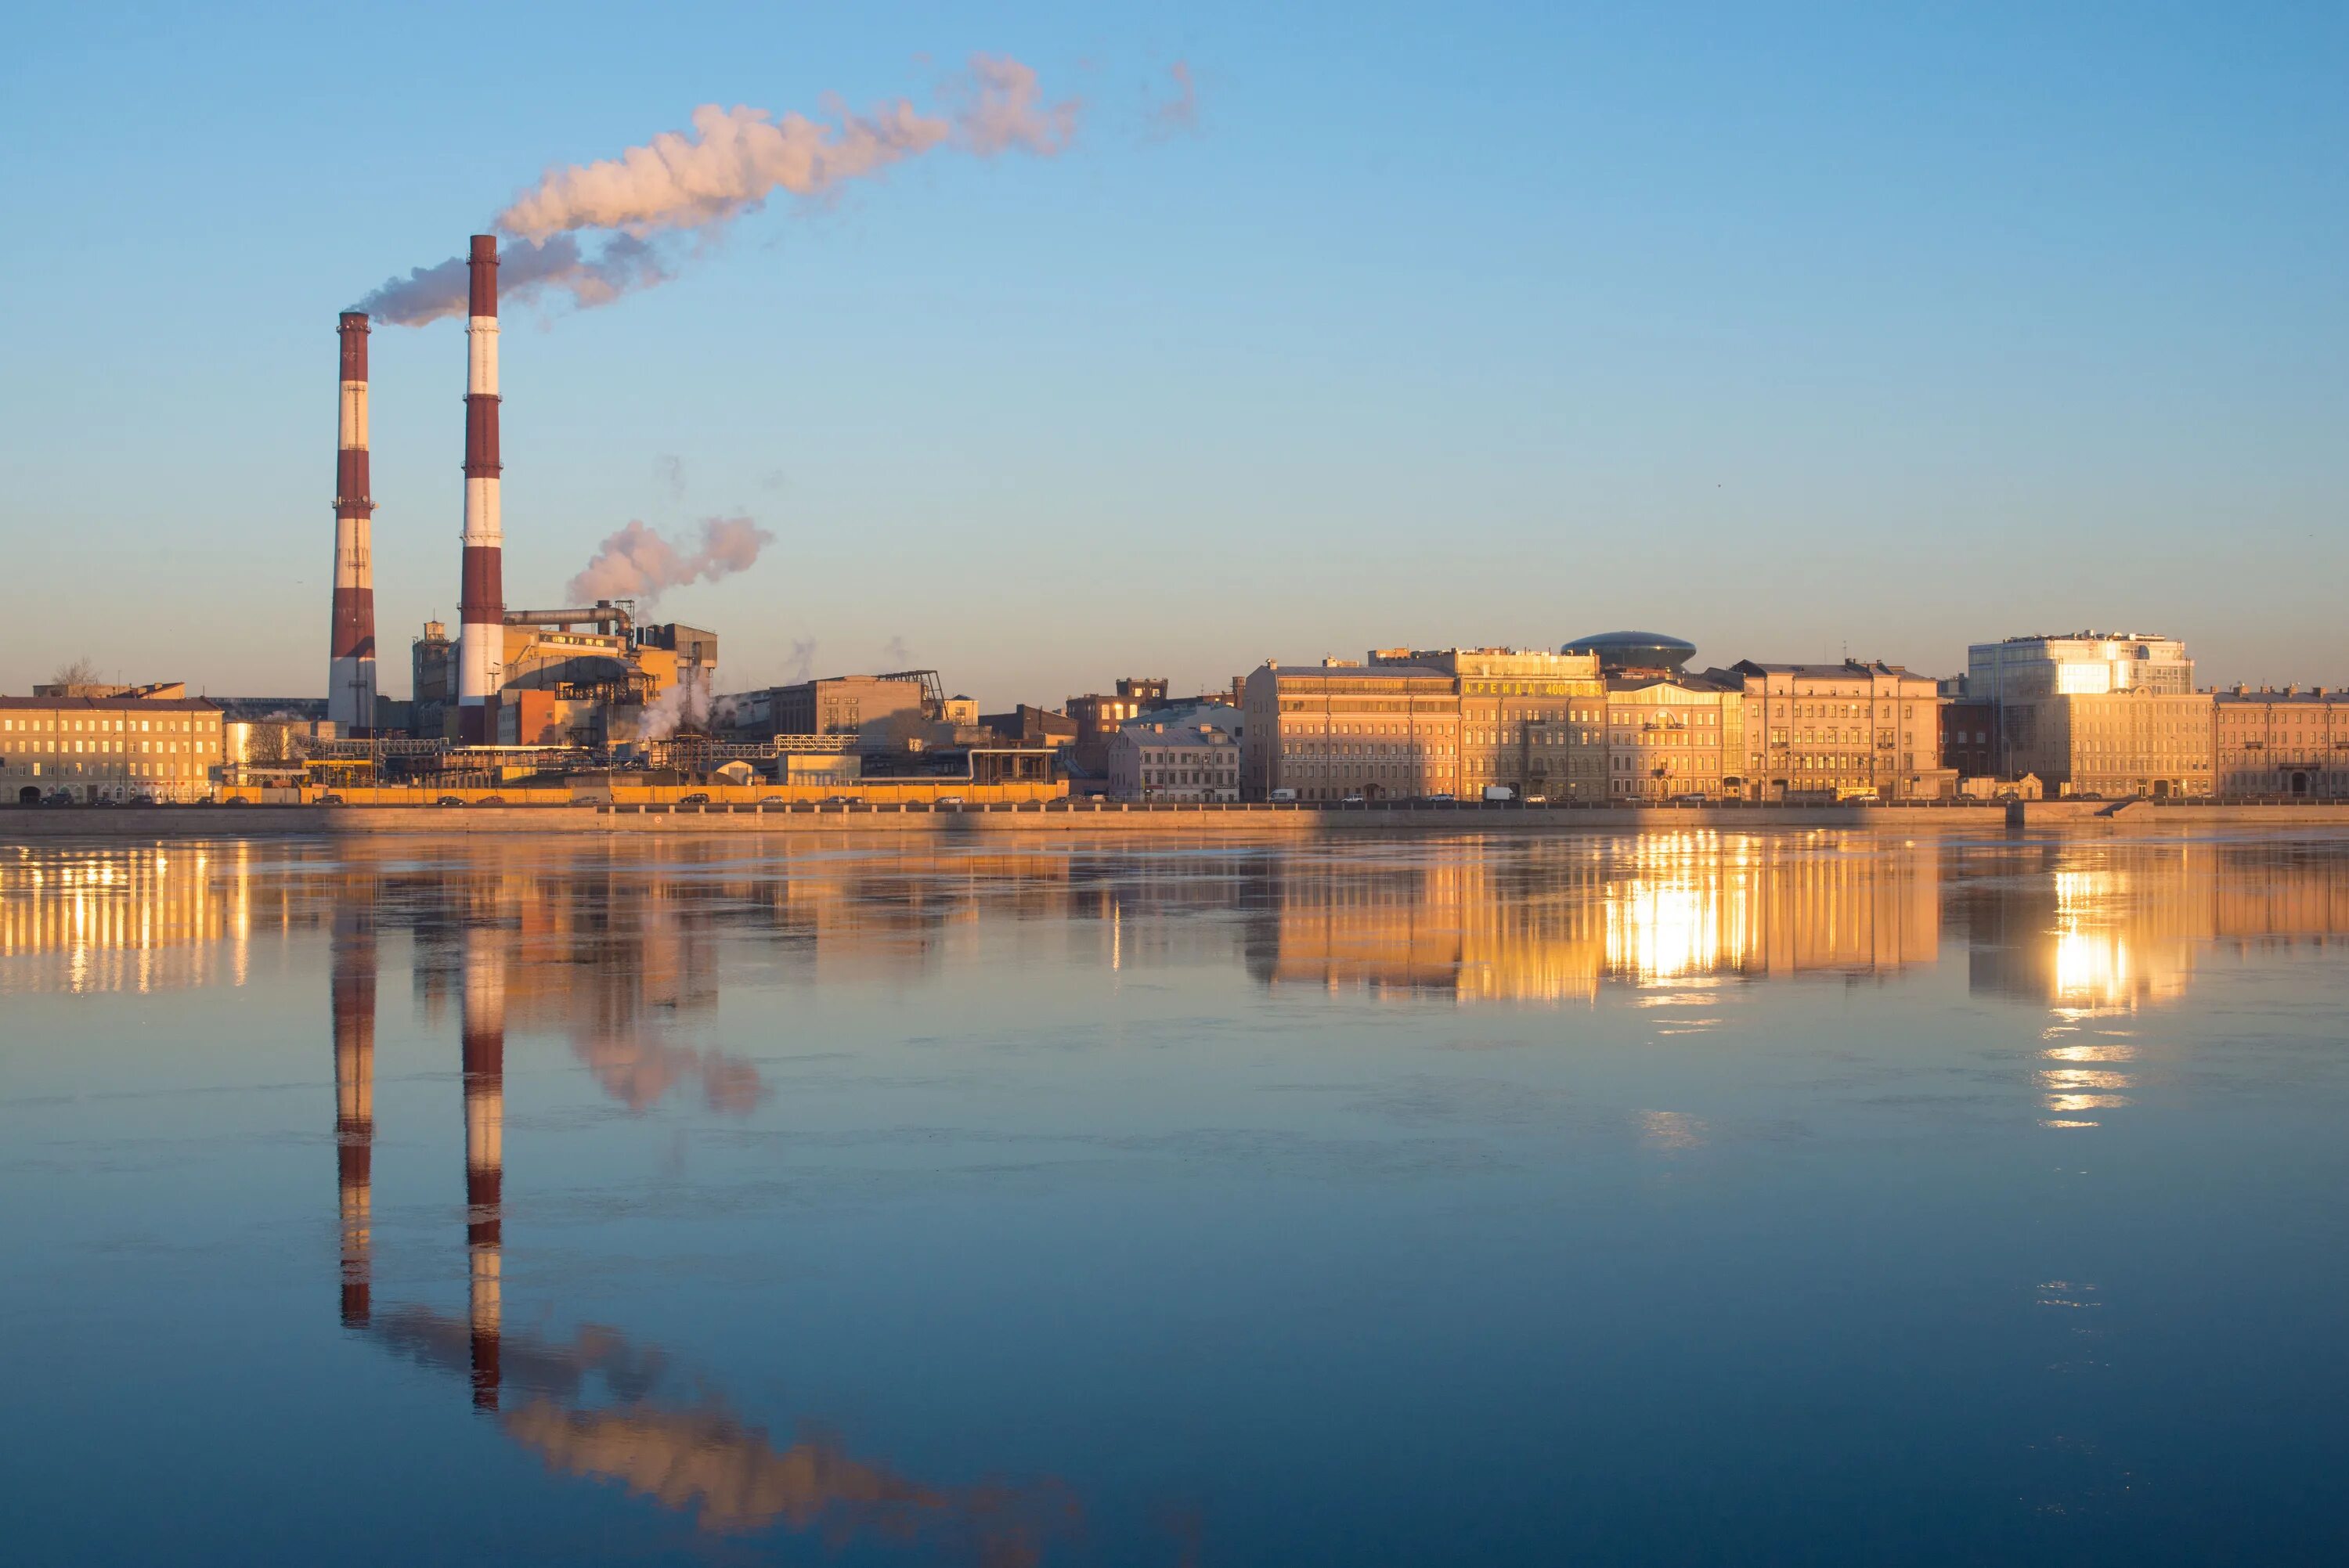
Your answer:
<point x="729" y="163"/>
<point x="803" y="664"/>
<point x="637" y="564"/>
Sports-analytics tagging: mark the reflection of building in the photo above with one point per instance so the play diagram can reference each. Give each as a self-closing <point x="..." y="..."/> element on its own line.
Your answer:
<point x="1550" y="921"/>
<point x="2290" y="743"/>
<point x="112" y="747"/>
<point x="2114" y="927"/>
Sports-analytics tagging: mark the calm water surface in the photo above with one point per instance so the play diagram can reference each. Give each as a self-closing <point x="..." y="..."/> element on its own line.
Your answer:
<point x="1689" y="1198"/>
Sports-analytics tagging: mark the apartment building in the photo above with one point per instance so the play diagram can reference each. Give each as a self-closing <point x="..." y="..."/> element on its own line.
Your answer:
<point x="1384" y="730"/>
<point x="1150" y="761"/>
<point x="1856" y="729"/>
<point x="2289" y="744"/>
<point x="2136" y="741"/>
<point x="121" y="747"/>
<point x="1505" y="695"/>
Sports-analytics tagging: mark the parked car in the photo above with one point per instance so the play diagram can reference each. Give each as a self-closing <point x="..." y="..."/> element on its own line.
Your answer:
<point x="772" y="800"/>
<point x="450" y="800"/>
<point x="1353" y="801"/>
<point x="696" y="799"/>
<point x="490" y="801"/>
<point x="330" y="798"/>
<point x="840" y="799"/>
<point x="948" y="803"/>
<point x="1442" y="799"/>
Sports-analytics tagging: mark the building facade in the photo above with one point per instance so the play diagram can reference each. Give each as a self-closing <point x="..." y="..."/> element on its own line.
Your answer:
<point x="1970" y="737"/>
<point x="2079" y="664"/>
<point x="2291" y="744"/>
<point x="1148" y="761"/>
<point x="1340" y="730"/>
<point x="2134" y="742"/>
<point x="1504" y="695"/>
<point x="1852" y="730"/>
<point x="109" y="747"/>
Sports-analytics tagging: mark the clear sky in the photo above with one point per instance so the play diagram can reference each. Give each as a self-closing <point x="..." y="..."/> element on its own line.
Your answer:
<point x="1791" y="330"/>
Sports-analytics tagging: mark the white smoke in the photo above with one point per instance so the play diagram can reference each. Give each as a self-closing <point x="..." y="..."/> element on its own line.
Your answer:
<point x="640" y="564"/>
<point x="729" y="163"/>
<point x="803" y="664"/>
<point x="682" y="705"/>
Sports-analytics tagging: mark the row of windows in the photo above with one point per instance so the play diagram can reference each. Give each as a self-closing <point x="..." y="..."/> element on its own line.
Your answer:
<point x="104" y="726"/>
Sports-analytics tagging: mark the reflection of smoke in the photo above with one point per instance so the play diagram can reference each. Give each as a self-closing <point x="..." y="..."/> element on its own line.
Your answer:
<point x="734" y="1479"/>
<point x="803" y="664"/>
<point x="730" y="164"/>
<point x="696" y="1455"/>
<point x="639" y="1072"/>
<point x="637" y="564"/>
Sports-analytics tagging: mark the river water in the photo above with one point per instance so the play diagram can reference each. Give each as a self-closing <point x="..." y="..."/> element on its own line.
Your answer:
<point x="1688" y="1198"/>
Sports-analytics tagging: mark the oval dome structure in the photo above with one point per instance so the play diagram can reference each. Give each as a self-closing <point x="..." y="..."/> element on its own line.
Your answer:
<point x="1634" y="650"/>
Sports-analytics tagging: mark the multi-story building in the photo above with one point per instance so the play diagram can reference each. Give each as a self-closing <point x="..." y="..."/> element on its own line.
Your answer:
<point x="1097" y="718"/>
<point x="1504" y="695"/>
<point x="2080" y="664"/>
<point x="2029" y="681"/>
<point x="1154" y="761"/>
<point x="2136" y="741"/>
<point x="1855" y="729"/>
<point x="1653" y="737"/>
<point x="1969" y="735"/>
<point x="109" y="747"/>
<point x="1382" y="730"/>
<point x="2290" y="743"/>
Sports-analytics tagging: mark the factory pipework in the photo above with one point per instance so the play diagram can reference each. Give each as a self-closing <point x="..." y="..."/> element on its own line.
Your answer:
<point x="480" y="600"/>
<point x="350" y="666"/>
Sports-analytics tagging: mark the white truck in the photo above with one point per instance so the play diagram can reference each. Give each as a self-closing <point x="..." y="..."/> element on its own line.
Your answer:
<point x="1495" y="794"/>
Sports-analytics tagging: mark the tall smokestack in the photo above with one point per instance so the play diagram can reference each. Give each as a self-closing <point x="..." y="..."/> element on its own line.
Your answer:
<point x="350" y="660"/>
<point x="483" y="1048"/>
<point x="480" y="600"/>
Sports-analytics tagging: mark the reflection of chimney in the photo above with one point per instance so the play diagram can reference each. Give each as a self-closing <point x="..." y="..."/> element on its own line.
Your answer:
<point x="484" y="1051"/>
<point x="353" y="993"/>
<point x="350" y="664"/>
<point x="480" y="599"/>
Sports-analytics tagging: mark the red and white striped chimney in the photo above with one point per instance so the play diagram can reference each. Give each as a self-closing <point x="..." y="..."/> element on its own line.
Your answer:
<point x="480" y="599"/>
<point x="350" y="660"/>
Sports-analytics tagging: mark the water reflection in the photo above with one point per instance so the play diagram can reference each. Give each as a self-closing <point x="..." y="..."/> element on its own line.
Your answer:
<point x="598" y="1407"/>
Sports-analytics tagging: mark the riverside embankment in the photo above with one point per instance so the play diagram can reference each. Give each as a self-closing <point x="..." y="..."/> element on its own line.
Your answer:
<point x="1111" y="819"/>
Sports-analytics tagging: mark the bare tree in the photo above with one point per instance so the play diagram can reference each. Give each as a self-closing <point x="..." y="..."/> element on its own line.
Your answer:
<point x="82" y="671"/>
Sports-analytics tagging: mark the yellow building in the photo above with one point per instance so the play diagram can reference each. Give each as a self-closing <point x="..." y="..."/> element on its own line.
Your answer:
<point x="1654" y="738"/>
<point x="1504" y="693"/>
<point x="1339" y="729"/>
<point x="1847" y="731"/>
<point x="123" y="748"/>
<point x="2134" y="742"/>
<point x="2291" y="744"/>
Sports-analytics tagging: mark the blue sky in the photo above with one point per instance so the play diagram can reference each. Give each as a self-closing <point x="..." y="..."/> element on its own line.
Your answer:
<point x="1790" y="330"/>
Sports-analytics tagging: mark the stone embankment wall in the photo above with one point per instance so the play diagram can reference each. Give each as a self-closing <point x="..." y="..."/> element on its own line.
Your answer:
<point x="1108" y="820"/>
